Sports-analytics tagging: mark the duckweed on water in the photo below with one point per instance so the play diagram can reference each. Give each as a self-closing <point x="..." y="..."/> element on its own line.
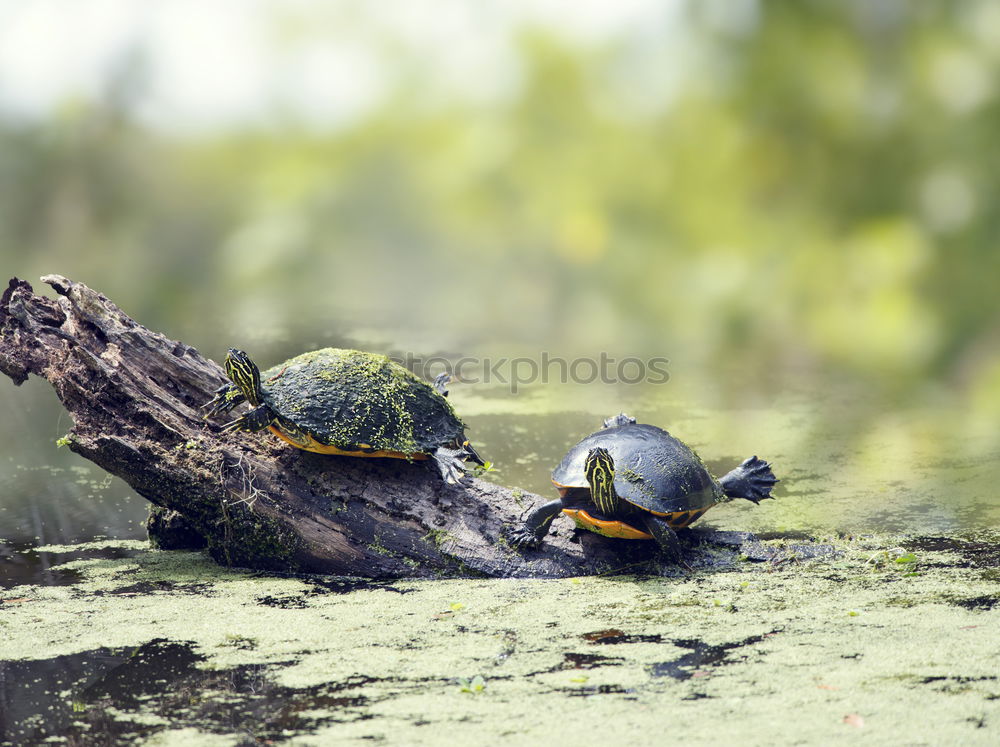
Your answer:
<point x="250" y="656"/>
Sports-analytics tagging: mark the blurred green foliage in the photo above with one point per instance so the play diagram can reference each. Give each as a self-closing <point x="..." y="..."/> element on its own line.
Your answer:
<point x="812" y="196"/>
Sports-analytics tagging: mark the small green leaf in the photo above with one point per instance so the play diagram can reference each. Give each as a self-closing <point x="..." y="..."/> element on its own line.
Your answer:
<point x="482" y="469"/>
<point x="474" y="686"/>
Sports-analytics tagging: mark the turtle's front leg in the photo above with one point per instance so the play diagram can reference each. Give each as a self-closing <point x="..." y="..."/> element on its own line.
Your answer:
<point x="666" y="538"/>
<point x="256" y="420"/>
<point x="535" y="527"/>
<point x="226" y="398"/>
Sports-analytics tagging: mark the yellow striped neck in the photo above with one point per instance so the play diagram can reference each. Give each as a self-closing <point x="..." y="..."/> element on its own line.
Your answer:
<point x="600" y="472"/>
<point x="244" y="373"/>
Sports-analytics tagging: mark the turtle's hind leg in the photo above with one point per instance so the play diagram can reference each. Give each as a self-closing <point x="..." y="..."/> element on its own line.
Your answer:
<point x="450" y="460"/>
<point x="752" y="480"/>
<point x="450" y="463"/>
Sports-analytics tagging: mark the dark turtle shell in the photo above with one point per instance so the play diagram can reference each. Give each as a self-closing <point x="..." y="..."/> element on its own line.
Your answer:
<point x="354" y="400"/>
<point x="653" y="470"/>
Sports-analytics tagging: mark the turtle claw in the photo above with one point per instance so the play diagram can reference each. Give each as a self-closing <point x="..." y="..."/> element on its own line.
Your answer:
<point x="529" y="534"/>
<point x="521" y="538"/>
<point x="226" y="398"/>
<point x="450" y="464"/>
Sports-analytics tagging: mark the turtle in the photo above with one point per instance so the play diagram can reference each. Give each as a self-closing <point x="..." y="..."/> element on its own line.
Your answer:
<point x="347" y="402"/>
<point x="631" y="480"/>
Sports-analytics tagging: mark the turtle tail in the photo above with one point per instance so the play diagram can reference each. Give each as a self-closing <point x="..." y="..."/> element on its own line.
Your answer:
<point x="469" y="454"/>
<point x="752" y="480"/>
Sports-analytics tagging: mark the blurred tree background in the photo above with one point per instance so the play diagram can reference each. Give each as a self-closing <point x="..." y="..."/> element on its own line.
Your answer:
<point x="791" y="200"/>
<point x="775" y="191"/>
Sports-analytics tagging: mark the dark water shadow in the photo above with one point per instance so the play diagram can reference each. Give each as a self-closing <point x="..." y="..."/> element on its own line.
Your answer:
<point x="22" y="564"/>
<point x="702" y="655"/>
<point x="975" y="550"/>
<point x="86" y="698"/>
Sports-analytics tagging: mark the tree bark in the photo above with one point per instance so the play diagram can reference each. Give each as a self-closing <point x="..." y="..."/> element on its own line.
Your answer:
<point x="135" y="398"/>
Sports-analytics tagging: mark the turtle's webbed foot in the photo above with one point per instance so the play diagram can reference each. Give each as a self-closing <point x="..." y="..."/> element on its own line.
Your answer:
<point x="450" y="460"/>
<point x="450" y="464"/>
<point x="522" y="538"/>
<point x="667" y="539"/>
<point x="752" y="480"/>
<point x="760" y="477"/>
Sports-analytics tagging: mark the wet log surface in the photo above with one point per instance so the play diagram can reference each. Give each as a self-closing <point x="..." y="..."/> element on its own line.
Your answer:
<point x="135" y="398"/>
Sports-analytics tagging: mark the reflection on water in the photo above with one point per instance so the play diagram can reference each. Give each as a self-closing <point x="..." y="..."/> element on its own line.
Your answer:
<point x="49" y="495"/>
<point x="89" y="697"/>
<point x="24" y="563"/>
<point x="21" y="564"/>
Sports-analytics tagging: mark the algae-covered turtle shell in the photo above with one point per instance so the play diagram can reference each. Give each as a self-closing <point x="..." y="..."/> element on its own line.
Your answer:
<point x="355" y="400"/>
<point x="653" y="470"/>
<point x="347" y="402"/>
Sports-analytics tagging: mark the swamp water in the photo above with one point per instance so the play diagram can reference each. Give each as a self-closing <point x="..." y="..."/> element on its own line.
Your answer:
<point x="892" y="639"/>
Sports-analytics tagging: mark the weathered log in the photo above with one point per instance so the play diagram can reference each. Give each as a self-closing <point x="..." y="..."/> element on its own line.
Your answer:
<point x="135" y="398"/>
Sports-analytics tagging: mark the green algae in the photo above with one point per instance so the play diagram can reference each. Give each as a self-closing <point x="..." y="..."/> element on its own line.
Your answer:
<point x="438" y="537"/>
<point x="346" y="398"/>
<point x="97" y="544"/>
<point x="762" y="654"/>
